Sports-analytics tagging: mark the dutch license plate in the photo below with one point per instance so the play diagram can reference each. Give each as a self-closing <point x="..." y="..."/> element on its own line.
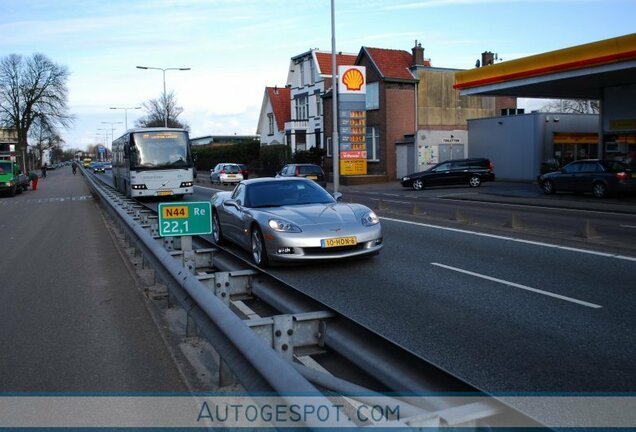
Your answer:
<point x="312" y="177"/>
<point x="164" y="193"/>
<point x="231" y="176"/>
<point x="339" y="241"/>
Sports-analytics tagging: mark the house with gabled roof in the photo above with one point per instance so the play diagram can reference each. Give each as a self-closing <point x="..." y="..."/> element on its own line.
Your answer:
<point x="275" y="113"/>
<point x="309" y="77"/>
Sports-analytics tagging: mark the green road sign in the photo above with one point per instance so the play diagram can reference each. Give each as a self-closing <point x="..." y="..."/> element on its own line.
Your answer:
<point x="185" y="218"/>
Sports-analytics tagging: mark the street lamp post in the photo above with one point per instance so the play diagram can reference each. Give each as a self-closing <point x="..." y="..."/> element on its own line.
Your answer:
<point x="334" y="94"/>
<point x="112" y="130"/>
<point x="126" y="112"/>
<point x="165" y="116"/>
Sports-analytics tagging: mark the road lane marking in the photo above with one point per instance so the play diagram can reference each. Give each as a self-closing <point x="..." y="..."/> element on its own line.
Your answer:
<point x="390" y="201"/>
<point x="523" y="287"/>
<point x="512" y="239"/>
<point x="628" y="226"/>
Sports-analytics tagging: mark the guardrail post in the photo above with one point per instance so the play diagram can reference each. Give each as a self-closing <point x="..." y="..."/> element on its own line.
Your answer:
<point x="283" y="332"/>
<point x="168" y="243"/>
<point x="189" y="259"/>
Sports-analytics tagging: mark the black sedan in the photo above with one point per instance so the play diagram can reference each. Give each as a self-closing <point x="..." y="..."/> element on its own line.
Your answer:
<point x="454" y="172"/>
<point x="601" y="178"/>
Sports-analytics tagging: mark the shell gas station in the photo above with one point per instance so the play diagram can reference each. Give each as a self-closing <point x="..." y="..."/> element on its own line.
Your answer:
<point x="603" y="71"/>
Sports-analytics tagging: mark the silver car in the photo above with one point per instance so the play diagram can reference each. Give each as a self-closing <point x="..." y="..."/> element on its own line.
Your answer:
<point x="293" y="219"/>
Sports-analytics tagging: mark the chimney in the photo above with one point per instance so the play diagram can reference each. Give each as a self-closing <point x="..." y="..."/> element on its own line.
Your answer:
<point x="418" y="54"/>
<point x="487" y="58"/>
<point x="275" y="89"/>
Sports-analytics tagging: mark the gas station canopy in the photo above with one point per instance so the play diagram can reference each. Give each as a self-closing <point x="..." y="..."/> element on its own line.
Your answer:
<point x="580" y="72"/>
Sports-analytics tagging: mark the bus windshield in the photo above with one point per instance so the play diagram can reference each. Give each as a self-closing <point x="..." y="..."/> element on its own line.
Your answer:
<point x="161" y="149"/>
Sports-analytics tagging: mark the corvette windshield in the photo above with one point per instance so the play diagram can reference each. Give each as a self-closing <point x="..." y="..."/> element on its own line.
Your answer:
<point x="284" y="193"/>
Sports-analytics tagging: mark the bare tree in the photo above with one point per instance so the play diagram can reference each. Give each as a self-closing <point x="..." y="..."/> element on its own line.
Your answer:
<point x="156" y="113"/>
<point x="46" y="137"/>
<point x="576" y="106"/>
<point x="30" y="89"/>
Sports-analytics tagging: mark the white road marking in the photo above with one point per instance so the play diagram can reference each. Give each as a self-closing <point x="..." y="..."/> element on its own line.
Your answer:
<point x="628" y="226"/>
<point x="523" y="287"/>
<point x="512" y="239"/>
<point x="390" y="201"/>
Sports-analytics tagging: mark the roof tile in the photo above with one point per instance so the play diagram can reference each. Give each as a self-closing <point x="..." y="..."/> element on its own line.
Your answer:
<point x="392" y="64"/>
<point x="280" y="98"/>
<point x="324" y="61"/>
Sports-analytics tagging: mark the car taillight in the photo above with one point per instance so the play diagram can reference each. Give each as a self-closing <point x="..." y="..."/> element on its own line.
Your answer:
<point x="222" y="172"/>
<point x="492" y="167"/>
<point x="621" y="175"/>
<point x="297" y="172"/>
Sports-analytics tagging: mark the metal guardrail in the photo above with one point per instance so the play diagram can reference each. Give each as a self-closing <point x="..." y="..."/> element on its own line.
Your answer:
<point x="242" y="343"/>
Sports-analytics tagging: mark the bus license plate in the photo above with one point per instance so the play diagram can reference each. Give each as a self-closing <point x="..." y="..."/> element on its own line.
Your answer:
<point x="164" y="193"/>
<point x="339" y="241"/>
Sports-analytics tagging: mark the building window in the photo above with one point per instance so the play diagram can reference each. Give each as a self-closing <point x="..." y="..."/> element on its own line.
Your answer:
<point x="373" y="96"/>
<point x="329" y="147"/>
<point x="318" y="105"/>
<point x="302" y="107"/>
<point x="270" y="121"/>
<point x="373" y="144"/>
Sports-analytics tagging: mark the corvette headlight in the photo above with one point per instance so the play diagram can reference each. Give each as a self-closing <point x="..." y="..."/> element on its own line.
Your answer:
<point x="280" y="225"/>
<point x="370" y="219"/>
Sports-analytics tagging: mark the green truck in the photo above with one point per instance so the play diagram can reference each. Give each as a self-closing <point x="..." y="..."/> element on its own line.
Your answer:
<point x="12" y="180"/>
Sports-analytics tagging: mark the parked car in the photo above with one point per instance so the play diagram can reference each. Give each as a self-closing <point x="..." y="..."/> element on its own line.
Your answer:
<point x="309" y="171"/>
<point x="244" y="171"/>
<point x="293" y="220"/>
<point x="601" y="178"/>
<point x="471" y="172"/>
<point x="225" y="173"/>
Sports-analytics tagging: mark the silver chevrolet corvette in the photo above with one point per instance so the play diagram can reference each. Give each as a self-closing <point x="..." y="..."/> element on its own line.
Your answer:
<point x="293" y="219"/>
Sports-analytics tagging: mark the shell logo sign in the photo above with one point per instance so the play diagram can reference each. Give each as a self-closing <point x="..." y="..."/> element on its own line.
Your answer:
<point x="352" y="79"/>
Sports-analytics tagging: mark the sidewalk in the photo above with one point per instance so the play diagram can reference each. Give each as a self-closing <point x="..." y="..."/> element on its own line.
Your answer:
<point x="72" y="318"/>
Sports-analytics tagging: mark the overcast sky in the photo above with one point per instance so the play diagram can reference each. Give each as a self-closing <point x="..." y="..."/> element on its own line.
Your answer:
<point x="237" y="47"/>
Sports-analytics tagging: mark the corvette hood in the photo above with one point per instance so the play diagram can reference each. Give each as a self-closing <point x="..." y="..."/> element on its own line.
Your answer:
<point x="317" y="214"/>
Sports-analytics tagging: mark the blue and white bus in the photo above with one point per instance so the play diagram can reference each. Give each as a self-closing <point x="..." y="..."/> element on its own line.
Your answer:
<point x="152" y="162"/>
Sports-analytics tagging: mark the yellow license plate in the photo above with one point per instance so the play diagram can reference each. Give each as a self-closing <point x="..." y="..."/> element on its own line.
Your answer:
<point x="231" y="176"/>
<point x="339" y="241"/>
<point x="312" y="177"/>
<point x="164" y="193"/>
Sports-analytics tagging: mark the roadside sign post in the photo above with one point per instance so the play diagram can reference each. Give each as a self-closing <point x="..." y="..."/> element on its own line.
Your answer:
<point x="185" y="219"/>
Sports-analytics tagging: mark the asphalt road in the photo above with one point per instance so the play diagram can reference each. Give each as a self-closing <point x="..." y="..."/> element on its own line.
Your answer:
<point x="71" y="317"/>
<point x="500" y="310"/>
<point x="514" y="310"/>
<point x="499" y="327"/>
